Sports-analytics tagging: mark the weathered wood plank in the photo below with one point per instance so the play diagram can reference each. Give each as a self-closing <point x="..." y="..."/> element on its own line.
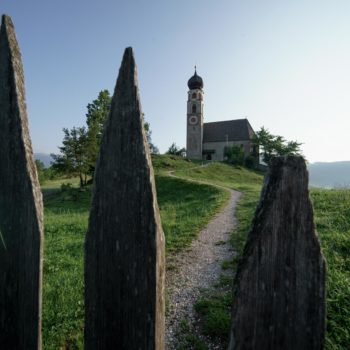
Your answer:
<point x="279" y="301"/>
<point x="21" y="212"/>
<point x="124" y="248"/>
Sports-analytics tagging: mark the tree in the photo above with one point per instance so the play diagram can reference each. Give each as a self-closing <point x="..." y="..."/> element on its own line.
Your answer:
<point x="81" y="145"/>
<point x="153" y="148"/>
<point x="275" y="145"/>
<point x="96" y="115"/>
<point x="73" y="155"/>
<point x="175" y="150"/>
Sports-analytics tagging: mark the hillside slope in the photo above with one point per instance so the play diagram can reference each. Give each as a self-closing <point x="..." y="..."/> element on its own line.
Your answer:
<point x="332" y="217"/>
<point x="185" y="208"/>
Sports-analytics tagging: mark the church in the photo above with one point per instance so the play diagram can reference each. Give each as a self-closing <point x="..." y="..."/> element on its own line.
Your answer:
<point x="209" y="140"/>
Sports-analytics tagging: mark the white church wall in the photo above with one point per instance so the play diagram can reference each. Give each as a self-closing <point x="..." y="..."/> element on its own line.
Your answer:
<point x="219" y="147"/>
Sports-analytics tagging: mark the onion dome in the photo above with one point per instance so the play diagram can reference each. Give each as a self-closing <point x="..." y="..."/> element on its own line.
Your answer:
<point x="195" y="82"/>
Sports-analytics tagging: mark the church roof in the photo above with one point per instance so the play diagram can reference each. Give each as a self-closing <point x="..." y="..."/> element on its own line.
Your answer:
<point x="230" y="130"/>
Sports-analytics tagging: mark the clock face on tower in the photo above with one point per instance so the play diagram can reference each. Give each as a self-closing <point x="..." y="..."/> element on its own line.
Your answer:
<point x="193" y="120"/>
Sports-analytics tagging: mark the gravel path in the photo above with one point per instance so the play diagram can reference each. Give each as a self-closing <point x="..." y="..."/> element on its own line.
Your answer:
<point x="198" y="268"/>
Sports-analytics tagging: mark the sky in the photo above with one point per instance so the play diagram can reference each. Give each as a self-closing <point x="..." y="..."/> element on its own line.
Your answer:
<point x="283" y="64"/>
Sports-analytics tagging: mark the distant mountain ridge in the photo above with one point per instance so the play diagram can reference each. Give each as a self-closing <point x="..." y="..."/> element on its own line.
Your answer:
<point x="329" y="175"/>
<point x="43" y="157"/>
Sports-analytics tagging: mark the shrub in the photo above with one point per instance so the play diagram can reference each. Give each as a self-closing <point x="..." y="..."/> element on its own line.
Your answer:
<point x="66" y="187"/>
<point x="235" y="155"/>
<point x="250" y="162"/>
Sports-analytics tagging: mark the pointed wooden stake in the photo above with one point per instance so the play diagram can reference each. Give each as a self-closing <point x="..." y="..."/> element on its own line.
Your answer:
<point x="21" y="212"/>
<point x="279" y="301"/>
<point x="124" y="248"/>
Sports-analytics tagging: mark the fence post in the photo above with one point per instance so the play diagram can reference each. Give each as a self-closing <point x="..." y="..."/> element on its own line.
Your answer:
<point x="279" y="298"/>
<point x="21" y="212"/>
<point x="124" y="247"/>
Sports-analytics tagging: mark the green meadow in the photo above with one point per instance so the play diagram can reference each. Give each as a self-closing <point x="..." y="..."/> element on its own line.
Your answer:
<point x="332" y="217"/>
<point x="185" y="208"/>
<point x="332" y="211"/>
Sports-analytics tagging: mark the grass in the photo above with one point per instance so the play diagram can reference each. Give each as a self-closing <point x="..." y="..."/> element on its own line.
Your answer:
<point x="218" y="301"/>
<point x="66" y="215"/>
<point x="332" y="209"/>
<point x="185" y="208"/>
<point x="183" y="215"/>
<point x="56" y="184"/>
<point x="235" y="177"/>
<point x="188" y="340"/>
<point x="166" y="162"/>
<point x="216" y="309"/>
<point x="332" y="217"/>
<point x="214" y="306"/>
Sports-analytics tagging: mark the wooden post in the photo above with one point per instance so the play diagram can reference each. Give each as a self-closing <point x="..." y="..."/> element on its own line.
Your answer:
<point x="124" y="248"/>
<point x="21" y="212"/>
<point x="279" y="298"/>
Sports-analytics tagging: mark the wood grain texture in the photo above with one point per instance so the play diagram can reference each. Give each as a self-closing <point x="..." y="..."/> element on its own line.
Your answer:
<point x="21" y="211"/>
<point x="124" y="248"/>
<point x="279" y="299"/>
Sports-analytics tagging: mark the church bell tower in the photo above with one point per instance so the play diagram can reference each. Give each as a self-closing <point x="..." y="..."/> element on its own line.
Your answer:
<point x="195" y="117"/>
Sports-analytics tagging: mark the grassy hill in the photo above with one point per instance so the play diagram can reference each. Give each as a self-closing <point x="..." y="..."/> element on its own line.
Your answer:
<point x="332" y="217"/>
<point x="185" y="208"/>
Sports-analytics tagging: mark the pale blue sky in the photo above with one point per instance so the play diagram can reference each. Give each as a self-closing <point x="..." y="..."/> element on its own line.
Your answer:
<point x="284" y="65"/>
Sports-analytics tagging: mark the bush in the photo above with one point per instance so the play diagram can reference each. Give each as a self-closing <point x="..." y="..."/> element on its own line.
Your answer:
<point x="235" y="155"/>
<point x="176" y="151"/>
<point x="44" y="173"/>
<point x="66" y="187"/>
<point x="250" y="162"/>
<point x="40" y="167"/>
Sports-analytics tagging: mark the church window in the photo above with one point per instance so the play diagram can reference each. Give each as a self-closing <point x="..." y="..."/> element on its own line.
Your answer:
<point x="194" y="109"/>
<point x="194" y="95"/>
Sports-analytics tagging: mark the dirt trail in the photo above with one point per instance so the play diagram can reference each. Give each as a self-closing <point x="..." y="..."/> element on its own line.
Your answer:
<point x="199" y="267"/>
